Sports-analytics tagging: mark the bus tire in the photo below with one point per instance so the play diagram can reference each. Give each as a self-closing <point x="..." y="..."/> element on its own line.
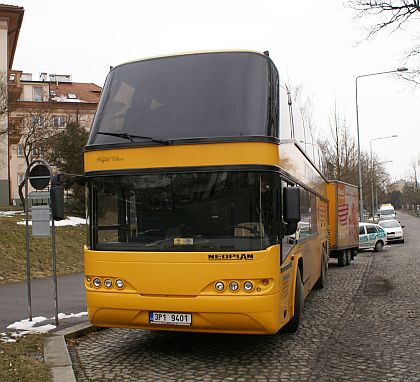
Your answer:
<point x="293" y="324"/>
<point x="322" y="281"/>
<point x="348" y="257"/>
<point x="342" y="259"/>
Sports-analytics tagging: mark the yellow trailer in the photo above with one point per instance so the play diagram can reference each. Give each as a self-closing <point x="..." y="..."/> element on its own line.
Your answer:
<point x="344" y="221"/>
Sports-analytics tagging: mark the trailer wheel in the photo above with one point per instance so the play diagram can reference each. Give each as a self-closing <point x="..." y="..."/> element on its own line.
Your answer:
<point x="322" y="281"/>
<point x="293" y="324"/>
<point x="342" y="259"/>
<point x="348" y="257"/>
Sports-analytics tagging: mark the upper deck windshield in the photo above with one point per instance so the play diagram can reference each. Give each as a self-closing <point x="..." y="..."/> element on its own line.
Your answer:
<point x="209" y="95"/>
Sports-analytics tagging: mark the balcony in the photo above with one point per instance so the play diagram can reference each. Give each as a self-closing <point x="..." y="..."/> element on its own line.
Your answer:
<point x="15" y="131"/>
<point x="15" y="87"/>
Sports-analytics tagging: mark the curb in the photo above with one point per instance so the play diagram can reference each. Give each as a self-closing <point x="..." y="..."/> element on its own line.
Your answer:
<point x="56" y="354"/>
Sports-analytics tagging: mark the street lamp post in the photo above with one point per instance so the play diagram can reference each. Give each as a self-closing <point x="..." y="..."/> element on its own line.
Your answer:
<point x="373" y="168"/>
<point x="358" y="134"/>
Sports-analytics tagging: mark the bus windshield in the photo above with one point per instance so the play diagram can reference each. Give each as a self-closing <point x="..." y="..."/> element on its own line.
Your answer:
<point x="387" y="212"/>
<point x="185" y="211"/>
<point x="195" y="96"/>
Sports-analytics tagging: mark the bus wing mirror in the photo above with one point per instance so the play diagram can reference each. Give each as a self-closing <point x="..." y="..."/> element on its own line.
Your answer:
<point x="57" y="202"/>
<point x="59" y="183"/>
<point x="291" y="209"/>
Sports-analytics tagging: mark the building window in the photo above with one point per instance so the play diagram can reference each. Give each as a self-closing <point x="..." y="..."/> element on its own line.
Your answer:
<point x="71" y="96"/>
<point x="59" y="121"/>
<point x="37" y="94"/>
<point x="38" y="151"/>
<point x="20" y="152"/>
<point x="38" y="121"/>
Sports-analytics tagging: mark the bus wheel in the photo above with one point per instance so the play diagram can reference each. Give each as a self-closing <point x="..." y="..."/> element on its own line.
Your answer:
<point x="348" y="257"/>
<point x="342" y="259"/>
<point x="322" y="281"/>
<point x="293" y="324"/>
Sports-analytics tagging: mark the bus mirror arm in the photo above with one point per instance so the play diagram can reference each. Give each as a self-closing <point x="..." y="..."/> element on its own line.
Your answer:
<point x="67" y="180"/>
<point x="59" y="183"/>
<point x="291" y="209"/>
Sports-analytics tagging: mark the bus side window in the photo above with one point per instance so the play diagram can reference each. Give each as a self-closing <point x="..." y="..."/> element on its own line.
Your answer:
<point x="305" y="223"/>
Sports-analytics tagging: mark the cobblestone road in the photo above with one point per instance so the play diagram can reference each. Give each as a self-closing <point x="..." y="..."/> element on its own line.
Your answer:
<point x="363" y="327"/>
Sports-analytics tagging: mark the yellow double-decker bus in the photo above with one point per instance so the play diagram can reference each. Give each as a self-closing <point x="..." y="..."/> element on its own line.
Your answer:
<point x="205" y="213"/>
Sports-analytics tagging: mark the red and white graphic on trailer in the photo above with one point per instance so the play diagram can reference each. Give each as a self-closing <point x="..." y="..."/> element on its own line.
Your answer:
<point x="343" y="213"/>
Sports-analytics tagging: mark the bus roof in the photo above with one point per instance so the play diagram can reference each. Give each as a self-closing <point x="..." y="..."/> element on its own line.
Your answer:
<point x="191" y="53"/>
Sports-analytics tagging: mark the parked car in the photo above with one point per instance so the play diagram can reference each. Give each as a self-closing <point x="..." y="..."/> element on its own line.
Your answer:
<point x="393" y="229"/>
<point x="383" y="218"/>
<point x="387" y="210"/>
<point x="372" y="236"/>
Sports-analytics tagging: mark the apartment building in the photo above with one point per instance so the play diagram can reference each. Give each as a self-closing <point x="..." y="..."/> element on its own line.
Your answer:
<point x="49" y="102"/>
<point x="10" y="22"/>
<point x="46" y="104"/>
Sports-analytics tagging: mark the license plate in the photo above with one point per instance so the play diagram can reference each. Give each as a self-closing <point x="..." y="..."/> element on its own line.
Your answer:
<point x="168" y="318"/>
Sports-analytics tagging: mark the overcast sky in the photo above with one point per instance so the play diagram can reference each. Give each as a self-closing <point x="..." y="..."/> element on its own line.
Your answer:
<point x="318" y="44"/>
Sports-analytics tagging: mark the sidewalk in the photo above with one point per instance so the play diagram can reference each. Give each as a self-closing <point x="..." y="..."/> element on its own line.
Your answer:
<point x="71" y="299"/>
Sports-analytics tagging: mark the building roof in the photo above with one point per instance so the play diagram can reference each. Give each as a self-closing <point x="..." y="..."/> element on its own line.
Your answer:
<point x="14" y="16"/>
<point x="75" y="92"/>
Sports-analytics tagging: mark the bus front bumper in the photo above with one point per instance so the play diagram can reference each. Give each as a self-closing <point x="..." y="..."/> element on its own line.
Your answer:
<point x="233" y="314"/>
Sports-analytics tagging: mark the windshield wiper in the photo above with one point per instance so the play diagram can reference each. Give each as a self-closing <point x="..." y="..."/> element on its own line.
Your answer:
<point x="131" y="136"/>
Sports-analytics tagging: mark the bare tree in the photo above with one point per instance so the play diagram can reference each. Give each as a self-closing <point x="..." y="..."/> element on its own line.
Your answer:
<point x="36" y="128"/>
<point x="391" y="15"/>
<point x="4" y="104"/>
<point x="340" y="151"/>
<point x="411" y="193"/>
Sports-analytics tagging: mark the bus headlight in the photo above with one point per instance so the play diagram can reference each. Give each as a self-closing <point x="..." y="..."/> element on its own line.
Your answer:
<point x="96" y="282"/>
<point x="219" y="286"/>
<point x="248" y="286"/>
<point x="119" y="283"/>
<point x="233" y="286"/>
<point x="108" y="283"/>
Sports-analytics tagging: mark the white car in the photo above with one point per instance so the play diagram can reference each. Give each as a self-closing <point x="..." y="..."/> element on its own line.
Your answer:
<point x="372" y="236"/>
<point x="393" y="229"/>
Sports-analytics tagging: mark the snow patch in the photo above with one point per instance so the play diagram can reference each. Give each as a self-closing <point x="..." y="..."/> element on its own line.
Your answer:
<point x="70" y="221"/>
<point x="24" y="327"/>
<point x="29" y="326"/>
<point x="10" y="214"/>
<point x="71" y="315"/>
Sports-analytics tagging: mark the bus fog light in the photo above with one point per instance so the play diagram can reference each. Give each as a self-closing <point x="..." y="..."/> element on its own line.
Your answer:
<point x="88" y="279"/>
<point x="248" y="286"/>
<point x="96" y="282"/>
<point x="108" y="283"/>
<point x="233" y="286"/>
<point x="119" y="283"/>
<point x="219" y="286"/>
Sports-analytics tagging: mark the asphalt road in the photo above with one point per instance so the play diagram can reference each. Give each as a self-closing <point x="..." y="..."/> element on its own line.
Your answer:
<point x="363" y="327"/>
<point x="71" y="299"/>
